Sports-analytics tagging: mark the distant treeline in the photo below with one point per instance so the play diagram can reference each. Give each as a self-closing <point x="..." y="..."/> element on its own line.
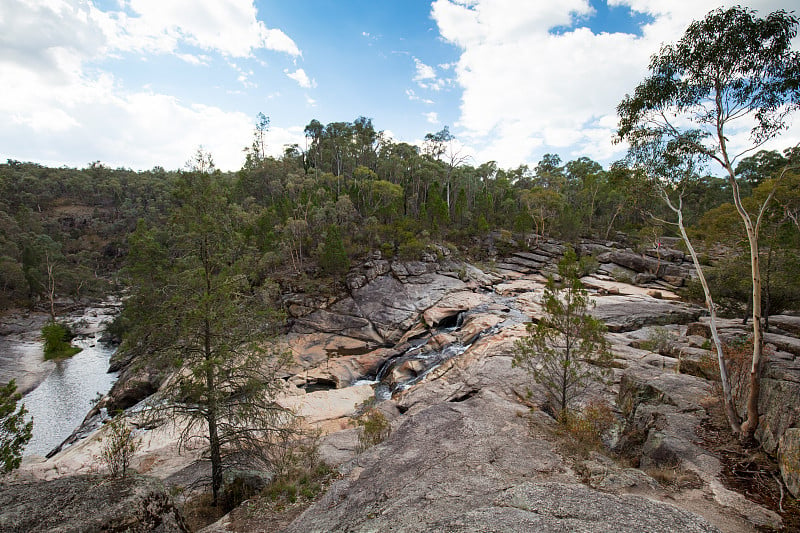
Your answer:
<point x="310" y="213"/>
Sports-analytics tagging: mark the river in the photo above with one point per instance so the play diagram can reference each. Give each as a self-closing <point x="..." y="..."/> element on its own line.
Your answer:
<point x="66" y="389"/>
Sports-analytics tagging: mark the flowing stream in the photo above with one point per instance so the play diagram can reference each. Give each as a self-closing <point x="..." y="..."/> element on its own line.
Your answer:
<point x="59" y="404"/>
<point x="425" y="361"/>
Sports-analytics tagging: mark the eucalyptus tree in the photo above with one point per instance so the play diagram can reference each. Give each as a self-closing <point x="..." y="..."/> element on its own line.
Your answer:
<point x="731" y="71"/>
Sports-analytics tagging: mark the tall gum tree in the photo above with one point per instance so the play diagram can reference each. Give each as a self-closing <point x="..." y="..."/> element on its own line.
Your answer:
<point x="729" y="72"/>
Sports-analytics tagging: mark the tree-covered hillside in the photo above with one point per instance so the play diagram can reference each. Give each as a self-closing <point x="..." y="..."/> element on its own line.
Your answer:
<point x="308" y="215"/>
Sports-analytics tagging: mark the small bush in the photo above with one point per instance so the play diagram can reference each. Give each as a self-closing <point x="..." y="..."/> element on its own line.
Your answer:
<point x="302" y="484"/>
<point x="57" y="337"/>
<point x="375" y="428"/>
<point x="588" y="427"/>
<point x="411" y="249"/>
<point x="119" y="447"/>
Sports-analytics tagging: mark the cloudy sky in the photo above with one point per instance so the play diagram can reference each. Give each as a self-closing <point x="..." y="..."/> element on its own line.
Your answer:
<point x="139" y="83"/>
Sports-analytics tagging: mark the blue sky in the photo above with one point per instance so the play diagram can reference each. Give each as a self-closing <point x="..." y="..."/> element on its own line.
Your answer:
<point x="139" y="83"/>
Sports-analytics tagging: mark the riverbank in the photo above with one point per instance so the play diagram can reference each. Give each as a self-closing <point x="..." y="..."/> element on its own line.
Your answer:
<point x="21" y="354"/>
<point x="57" y="393"/>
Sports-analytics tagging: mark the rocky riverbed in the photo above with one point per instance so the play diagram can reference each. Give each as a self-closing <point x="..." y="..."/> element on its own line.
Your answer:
<point x="467" y="452"/>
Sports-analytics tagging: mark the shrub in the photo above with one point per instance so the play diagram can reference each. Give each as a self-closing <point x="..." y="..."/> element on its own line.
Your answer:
<point x="57" y="337"/>
<point x="566" y="350"/>
<point x="588" y="427"/>
<point x="333" y="258"/>
<point x="374" y="426"/>
<point x="119" y="447"/>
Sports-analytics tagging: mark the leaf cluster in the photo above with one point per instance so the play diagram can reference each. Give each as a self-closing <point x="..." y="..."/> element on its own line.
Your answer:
<point x="15" y="432"/>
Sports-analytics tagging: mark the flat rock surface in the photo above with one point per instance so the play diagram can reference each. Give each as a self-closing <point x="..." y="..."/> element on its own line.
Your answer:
<point x="474" y="465"/>
<point x="83" y="503"/>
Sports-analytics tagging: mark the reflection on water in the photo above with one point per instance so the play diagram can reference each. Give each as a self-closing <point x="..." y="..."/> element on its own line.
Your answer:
<point x="60" y="403"/>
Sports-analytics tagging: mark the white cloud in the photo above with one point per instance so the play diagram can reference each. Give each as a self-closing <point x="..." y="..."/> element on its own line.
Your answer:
<point x="425" y="76"/>
<point x="229" y="27"/>
<point x="424" y="72"/>
<point x="414" y="98"/>
<point x="59" y="108"/>
<point x="279" y="138"/>
<point x="432" y="117"/>
<point x="301" y="78"/>
<point x="527" y="91"/>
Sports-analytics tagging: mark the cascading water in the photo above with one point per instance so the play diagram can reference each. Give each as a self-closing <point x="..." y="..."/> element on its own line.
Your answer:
<point x="412" y="366"/>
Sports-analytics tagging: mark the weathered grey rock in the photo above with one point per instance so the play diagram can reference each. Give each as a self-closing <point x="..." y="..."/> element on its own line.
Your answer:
<point x="532" y="257"/>
<point x="618" y="272"/>
<point x="786" y="323"/>
<point x="783" y="343"/>
<point x="339" y="323"/>
<point x="698" y="362"/>
<point x="626" y="313"/>
<point x="643" y="264"/>
<point x="559" y="507"/>
<point x="440" y="463"/>
<point x="789" y="460"/>
<point x="392" y="307"/>
<point x="88" y="504"/>
<point x="451" y="305"/>
<point x="778" y="402"/>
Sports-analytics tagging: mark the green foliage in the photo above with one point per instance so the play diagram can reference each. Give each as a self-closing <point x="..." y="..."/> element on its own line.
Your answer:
<point x="119" y="446"/>
<point x="192" y="306"/>
<point x="14" y="431"/>
<point x="304" y="482"/>
<point x="333" y="258"/>
<point x="57" y="337"/>
<point x="566" y="350"/>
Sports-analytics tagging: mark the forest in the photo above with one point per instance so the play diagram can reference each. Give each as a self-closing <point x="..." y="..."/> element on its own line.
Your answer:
<point x="308" y="215"/>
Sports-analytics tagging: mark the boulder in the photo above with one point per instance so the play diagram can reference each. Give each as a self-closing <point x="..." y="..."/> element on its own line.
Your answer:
<point x="616" y="287"/>
<point x="626" y="313"/>
<point x="641" y="263"/>
<point x="529" y="283"/>
<point x="787" y="323"/>
<point x="451" y="305"/>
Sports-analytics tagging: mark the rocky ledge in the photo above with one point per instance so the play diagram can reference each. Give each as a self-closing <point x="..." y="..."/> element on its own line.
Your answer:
<point x="86" y="503"/>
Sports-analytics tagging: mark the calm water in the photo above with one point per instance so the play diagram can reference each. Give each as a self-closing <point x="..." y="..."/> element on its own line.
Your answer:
<point x="60" y="403"/>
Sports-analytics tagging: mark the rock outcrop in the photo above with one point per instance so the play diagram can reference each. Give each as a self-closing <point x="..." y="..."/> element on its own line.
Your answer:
<point x="435" y="342"/>
<point x="473" y="465"/>
<point x="84" y="503"/>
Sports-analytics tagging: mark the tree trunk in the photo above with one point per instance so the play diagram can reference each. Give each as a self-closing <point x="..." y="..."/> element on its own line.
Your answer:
<point x="751" y="423"/>
<point x="730" y="408"/>
<point x="213" y="435"/>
